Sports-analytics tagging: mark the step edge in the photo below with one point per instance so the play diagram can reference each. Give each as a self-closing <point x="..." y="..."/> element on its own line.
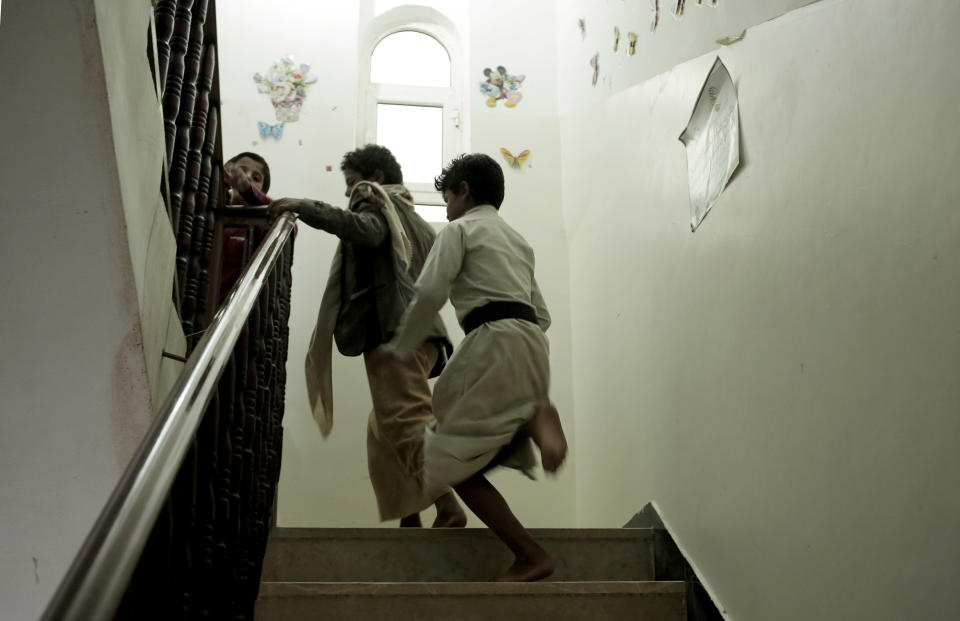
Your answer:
<point x="284" y="533"/>
<point x="282" y="590"/>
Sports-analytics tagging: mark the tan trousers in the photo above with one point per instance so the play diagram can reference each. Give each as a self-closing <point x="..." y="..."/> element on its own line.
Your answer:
<point x="402" y="408"/>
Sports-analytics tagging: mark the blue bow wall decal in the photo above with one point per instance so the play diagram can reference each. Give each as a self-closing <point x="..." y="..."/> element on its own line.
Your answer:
<point x="267" y="130"/>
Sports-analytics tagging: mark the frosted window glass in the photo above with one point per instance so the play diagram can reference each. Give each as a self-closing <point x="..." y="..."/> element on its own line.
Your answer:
<point x="432" y="213"/>
<point x="414" y="134"/>
<point x="410" y="58"/>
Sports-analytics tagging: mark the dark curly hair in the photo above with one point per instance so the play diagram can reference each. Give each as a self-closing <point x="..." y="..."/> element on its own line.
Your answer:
<point x="482" y="174"/>
<point x="265" y="186"/>
<point x="370" y="159"/>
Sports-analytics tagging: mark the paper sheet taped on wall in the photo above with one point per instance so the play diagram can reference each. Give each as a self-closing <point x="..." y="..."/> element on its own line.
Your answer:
<point x="712" y="139"/>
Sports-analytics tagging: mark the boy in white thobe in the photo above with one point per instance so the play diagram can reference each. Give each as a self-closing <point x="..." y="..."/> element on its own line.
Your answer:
<point x="492" y="397"/>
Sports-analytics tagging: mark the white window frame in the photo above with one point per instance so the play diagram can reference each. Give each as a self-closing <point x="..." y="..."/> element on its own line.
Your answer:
<point x="428" y="21"/>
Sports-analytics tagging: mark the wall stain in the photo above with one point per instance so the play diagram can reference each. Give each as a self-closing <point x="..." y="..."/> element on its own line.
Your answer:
<point x="131" y="412"/>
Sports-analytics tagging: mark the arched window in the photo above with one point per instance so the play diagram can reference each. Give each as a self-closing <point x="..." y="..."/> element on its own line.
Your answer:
<point x="412" y="105"/>
<point x="412" y="58"/>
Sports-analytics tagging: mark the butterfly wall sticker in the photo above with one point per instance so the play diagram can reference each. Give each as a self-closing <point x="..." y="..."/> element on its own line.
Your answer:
<point x="595" y="63"/>
<point x="267" y="130"/>
<point x="515" y="160"/>
<point x="678" y="8"/>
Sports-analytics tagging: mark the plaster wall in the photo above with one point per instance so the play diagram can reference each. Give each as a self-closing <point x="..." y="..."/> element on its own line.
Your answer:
<point x="73" y="376"/>
<point x="325" y="482"/>
<point x="781" y="383"/>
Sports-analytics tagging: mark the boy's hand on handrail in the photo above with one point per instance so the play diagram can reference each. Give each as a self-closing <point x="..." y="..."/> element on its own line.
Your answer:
<point x="282" y="205"/>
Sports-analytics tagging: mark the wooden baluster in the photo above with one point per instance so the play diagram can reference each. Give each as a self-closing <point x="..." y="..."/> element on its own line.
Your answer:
<point x="283" y="316"/>
<point x="283" y="307"/>
<point x="183" y="108"/>
<point x="192" y="63"/>
<point x="184" y="495"/>
<point x="282" y="304"/>
<point x="204" y="532"/>
<point x="249" y="458"/>
<point x="204" y="189"/>
<point x="280" y="377"/>
<point x="157" y="583"/>
<point x="206" y="255"/>
<point x="227" y="391"/>
<point x="164" y="16"/>
<point x="173" y="83"/>
<point x="188" y="295"/>
<point x="191" y="186"/>
<point x="178" y="176"/>
<point x="248" y="479"/>
<point x="264" y="395"/>
<point x="235" y="530"/>
<point x="203" y="213"/>
<point x="265" y="423"/>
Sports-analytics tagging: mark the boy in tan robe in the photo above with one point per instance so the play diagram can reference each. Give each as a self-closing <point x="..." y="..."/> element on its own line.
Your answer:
<point x="383" y="245"/>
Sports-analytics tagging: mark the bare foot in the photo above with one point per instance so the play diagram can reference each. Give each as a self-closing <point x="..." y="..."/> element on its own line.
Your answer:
<point x="454" y="520"/>
<point x="449" y="513"/>
<point x="529" y="569"/>
<point x="411" y="521"/>
<point x="548" y="435"/>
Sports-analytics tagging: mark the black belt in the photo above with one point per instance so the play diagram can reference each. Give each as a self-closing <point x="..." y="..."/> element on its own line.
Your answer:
<point x="492" y="311"/>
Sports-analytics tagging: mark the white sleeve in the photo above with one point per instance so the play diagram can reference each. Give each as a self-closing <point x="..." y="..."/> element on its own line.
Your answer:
<point x="543" y="315"/>
<point x="430" y="291"/>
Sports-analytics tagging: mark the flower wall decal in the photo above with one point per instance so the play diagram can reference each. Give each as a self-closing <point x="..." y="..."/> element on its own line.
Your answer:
<point x="286" y="83"/>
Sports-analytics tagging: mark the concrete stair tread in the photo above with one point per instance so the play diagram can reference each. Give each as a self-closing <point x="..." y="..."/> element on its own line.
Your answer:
<point x="472" y="601"/>
<point x="379" y="589"/>
<point x="449" y="554"/>
<point x="432" y="533"/>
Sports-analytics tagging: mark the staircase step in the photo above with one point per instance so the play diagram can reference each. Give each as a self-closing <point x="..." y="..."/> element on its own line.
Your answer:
<point x="471" y="601"/>
<point x="449" y="554"/>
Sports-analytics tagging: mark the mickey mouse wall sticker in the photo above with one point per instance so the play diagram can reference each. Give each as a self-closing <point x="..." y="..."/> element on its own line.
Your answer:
<point x="501" y="85"/>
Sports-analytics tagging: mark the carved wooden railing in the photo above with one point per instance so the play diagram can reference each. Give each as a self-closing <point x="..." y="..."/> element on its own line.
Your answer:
<point x="186" y="67"/>
<point x="204" y="556"/>
<point x="184" y="533"/>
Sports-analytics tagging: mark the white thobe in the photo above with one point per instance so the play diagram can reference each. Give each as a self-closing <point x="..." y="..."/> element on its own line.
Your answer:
<point x="501" y="371"/>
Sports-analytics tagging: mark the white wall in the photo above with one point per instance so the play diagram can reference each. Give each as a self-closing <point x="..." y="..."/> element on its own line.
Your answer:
<point x="73" y="378"/>
<point x="783" y="382"/>
<point x="139" y="144"/>
<point x="325" y="482"/>
<point x="674" y="40"/>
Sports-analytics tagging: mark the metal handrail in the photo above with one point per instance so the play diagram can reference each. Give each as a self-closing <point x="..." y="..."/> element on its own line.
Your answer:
<point x="98" y="576"/>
